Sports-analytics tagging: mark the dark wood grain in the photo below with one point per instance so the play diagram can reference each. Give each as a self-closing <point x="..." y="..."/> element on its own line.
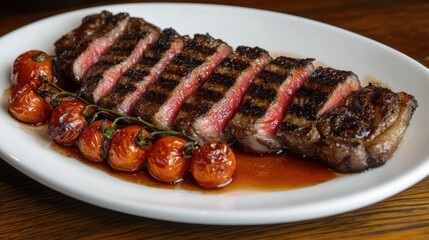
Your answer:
<point x="29" y="210"/>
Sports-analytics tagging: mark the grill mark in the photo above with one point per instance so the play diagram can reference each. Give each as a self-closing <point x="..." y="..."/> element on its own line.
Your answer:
<point x="235" y="63"/>
<point x="197" y="110"/>
<point x="247" y="108"/>
<point x="329" y="76"/>
<point x="307" y="112"/>
<point x="223" y="80"/>
<point x="187" y="107"/>
<point x="187" y="61"/>
<point x="136" y="75"/>
<point x="160" y="47"/>
<point x="123" y="89"/>
<point x="155" y="97"/>
<point x="122" y="50"/>
<point x="263" y="93"/>
<point x="199" y="47"/>
<point x="307" y="103"/>
<point x="202" y="108"/>
<point x="178" y="71"/>
<point x="150" y="60"/>
<point x="249" y="52"/>
<point x="133" y="36"/>
<point x="106" y="62"/>
<point x="291" y="63"/>
<point x="167" y="84"/>
<point x="163" y="44"/>
<point x="312" y="95"/>
<point x="210" y="95"/>
<point x="113" y="20"/>
<point x="273" y="77"/>
<point x="93" y="79"/>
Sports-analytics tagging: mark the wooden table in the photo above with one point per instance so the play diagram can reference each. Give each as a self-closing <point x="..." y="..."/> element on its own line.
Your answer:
<point x="32" y="211"/>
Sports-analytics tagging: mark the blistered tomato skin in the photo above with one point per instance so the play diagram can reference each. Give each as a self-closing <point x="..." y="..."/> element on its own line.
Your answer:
<point x="67" y="122"/>
<point x="213" y="165"/>
<point x="166" y="161"/>
<point x="92" y="143"/>
<point x="29" y="66"/>
<point x="27" y="106"/>
<point x="124" y="152"/>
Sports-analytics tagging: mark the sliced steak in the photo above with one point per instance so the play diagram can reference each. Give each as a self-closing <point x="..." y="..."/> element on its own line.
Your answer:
<point x="133" y="84"/>
<point x="365" y="130"/>
<point x="162" y="101"/>
<point x="325" y="89"/>
<point x="78" y="50"/>
<point x="205" y="115"/>
<point x="256" y="122"/>
<point x="125" y="53"/>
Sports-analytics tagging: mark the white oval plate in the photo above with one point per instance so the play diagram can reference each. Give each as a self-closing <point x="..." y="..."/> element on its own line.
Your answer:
<point x="238" y="26"/>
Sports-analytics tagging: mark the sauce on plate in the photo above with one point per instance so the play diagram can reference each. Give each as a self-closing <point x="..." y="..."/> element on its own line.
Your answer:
<point x="254" y="172"/>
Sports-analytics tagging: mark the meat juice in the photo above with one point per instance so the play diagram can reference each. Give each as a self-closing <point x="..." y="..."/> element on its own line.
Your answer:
<point x="274" y="172"/>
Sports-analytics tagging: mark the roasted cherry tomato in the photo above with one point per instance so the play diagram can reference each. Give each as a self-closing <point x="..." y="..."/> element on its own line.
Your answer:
<point x="67" y="122"/>
<point x="92" y="142"/>
<point x="124" y="152"/>
<point x="27" y="106"/>
<point x="29" y="66"/>
<point x="213" y="165"/>
<point x="166" y="161"/>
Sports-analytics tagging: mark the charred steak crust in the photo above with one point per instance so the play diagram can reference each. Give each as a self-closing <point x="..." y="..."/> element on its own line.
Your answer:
<point x="133" y="83"/>
<point x="123" y="54"/>
<point x="325" y="88"/>
<point x="189" y="69"/>
<point x="79" y="49"/>
<point x="256" y="122"/>
<point x="205" y="115"/>
<point x="213" y="90"/>
<point x="315" y="93"/>
<point x="365" y="130"/>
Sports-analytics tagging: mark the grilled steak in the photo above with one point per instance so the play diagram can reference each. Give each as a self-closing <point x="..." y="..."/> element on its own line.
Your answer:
<point x="205" y="115"/>
<point x="325" y="89"/>
<point x="78" y="50"/>
<point x="126" y="52"/>
<point x="162" y="101"/>
<point x="133" y="84"/>
<point x="256" y="122"/>
<point x="365" y="130"/>
<point x="200" y="87"/>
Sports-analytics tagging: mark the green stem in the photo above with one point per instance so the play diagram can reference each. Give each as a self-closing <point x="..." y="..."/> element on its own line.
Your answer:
<point x="157" y="130"/>
<point x="40" y="57"/>
<point x="187" y="150"/>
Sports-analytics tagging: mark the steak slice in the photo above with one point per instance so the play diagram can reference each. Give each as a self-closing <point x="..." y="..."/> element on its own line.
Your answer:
<point x="133" y="84"/>
<point x="125" y="53"/>
<point x="162" y="101"/>
<point x="78" y="50"/>
<point x="325" y="89"/>
<point x="365" y="130"/>
<point x="205" y="115"/>
<point x="256" y="122"/>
